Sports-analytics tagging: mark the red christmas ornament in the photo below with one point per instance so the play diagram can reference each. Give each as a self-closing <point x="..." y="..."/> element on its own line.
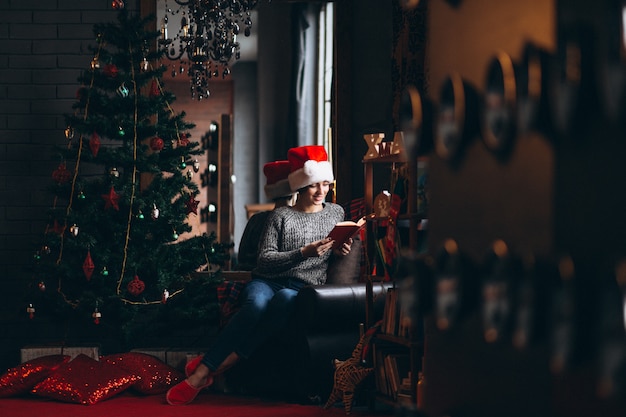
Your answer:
<point x="31" y="311"/>
<point x="117" y="4"/>
<point x="94" y="144"/>
<point x="111" y="200"/>
<point x="154" y="89"/>
<point x="184" y="139"/>
<point x="81" y="93"/>
<point x="110" y="70"/>
<point x="96" y="315"/>
<point x="192" y="205"/>
<point x="136" y="286"/>
<point x="61" y="175"/>
<point x="88" y="266"/>
<point x="156" y="143"/>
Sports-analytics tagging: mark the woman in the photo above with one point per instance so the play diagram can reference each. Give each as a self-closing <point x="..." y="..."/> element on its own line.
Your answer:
<point x="276" y="189"/>
<point x="294" y="251"/>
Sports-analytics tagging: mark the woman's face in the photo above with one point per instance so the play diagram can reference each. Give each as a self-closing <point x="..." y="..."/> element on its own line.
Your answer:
<point x="315" y="194"/>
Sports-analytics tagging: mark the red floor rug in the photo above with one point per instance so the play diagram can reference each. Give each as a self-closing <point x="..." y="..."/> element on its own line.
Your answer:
<point x="206" y="405"/>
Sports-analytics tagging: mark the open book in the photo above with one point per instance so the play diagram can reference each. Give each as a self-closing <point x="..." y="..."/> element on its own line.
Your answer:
<point x="345" y="230"/>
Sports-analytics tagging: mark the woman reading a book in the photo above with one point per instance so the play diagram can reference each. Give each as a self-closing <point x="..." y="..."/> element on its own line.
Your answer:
<point x="294" y="251"/>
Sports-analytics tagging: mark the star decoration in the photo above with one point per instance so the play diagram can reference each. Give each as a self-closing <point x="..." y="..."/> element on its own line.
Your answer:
<point x="349" y="374"/>
<point x="111" y="200"/>
<point x="192" y="205"/>
<point x="61" y="175"/>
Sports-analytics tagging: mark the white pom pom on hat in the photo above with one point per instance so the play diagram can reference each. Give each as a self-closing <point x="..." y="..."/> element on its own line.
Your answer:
<point x="309" y="165"/>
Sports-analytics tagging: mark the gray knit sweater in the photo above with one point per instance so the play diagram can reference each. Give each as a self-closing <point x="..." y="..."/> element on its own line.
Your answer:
<point x="286" y="232"/>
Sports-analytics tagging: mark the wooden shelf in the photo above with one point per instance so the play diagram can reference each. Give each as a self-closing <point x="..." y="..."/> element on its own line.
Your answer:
<point x="389" y="347"/>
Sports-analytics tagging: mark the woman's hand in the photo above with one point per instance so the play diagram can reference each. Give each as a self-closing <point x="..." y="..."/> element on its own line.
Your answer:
<point x="344" y="249"/>
<point x="317" y="248"/>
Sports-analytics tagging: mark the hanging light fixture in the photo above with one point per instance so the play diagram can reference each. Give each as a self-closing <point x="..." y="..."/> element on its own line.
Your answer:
<point x="206" y="42"/>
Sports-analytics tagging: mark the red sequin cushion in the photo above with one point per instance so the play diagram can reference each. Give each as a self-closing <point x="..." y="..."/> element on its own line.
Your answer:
<point x="23" y="378"/>
<point x="156" y="376"/>
<point x="85" y="381"/>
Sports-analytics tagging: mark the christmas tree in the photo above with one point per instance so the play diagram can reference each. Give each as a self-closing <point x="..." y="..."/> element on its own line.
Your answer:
<point x="113" y="254"/>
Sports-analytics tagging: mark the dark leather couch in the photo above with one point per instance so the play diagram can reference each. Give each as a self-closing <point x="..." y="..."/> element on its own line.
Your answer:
<point x="297" y="365"/>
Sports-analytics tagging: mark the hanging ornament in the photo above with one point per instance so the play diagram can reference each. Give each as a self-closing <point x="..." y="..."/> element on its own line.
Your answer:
<point x="155" y="212"/>
<point x="165" y="296"/>
<point x="81" y="94"/>
<point x="189" y="174"/>
<point x="122" y="91"/>
<point x="74" y="230"/>
<point x="192" y="205"/>
<point x="196" y="165"/>
<point x="183" y="140"/>
<point x="94" y="144"/>
<point x="156" y="143"/>
<point x="140" y="215"/>
<point x="117" y="4"/>
<point x="120" y="131"/>
<point x="154" y="88"/>
<point x="174" y="235"/>
<point x="31" y="311"/>
<point x="96" y="315"/>
<point x="61" y="175"/>
<point x="81" y="195"/>
<point x="41" y="286"/>
<point x="69" y="133"/>
<point x="110" y="70"/>
<point x="136" y="286"/>
<point x="111" y="200"/>
<point x="104" y="272"/>
<point x="45" y="249"/>
<point x="114" y="173"/>
<point x="144" y="66"/>
<point x="95" y="63"/>
<point x="183" y="163"/>
<point x="88" y="266"/>
<point x="37" y="256"/>
<point x="58" y="228"/>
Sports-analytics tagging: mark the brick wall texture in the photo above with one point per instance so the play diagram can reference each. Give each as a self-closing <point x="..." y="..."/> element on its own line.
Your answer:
<point x="43" y="48"/>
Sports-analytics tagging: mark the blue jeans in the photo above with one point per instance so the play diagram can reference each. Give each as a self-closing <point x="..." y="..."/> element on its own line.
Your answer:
<point x="265" y="309"/>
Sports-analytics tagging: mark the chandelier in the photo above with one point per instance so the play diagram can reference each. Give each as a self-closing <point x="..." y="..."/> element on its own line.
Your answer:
<point x="206" y="40"/>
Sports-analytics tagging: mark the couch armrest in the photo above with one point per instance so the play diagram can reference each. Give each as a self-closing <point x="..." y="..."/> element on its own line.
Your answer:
<point x="335" y="307"/>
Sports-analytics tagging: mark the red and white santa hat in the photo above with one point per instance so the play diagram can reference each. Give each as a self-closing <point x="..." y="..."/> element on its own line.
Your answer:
<point x="277" y="184"/>
<point x="309" y="165"/>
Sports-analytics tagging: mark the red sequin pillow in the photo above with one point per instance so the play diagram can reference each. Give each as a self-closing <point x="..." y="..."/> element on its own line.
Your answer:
<point x="156" y="376"/>
<point x="22" y="378"/>
<point x="85" y="381"/>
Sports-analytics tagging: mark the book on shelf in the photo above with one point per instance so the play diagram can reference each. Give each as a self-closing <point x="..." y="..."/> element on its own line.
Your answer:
<point x="345" y="230"/>
<point x="393" y="373"/>
<point x="391" y="312"/>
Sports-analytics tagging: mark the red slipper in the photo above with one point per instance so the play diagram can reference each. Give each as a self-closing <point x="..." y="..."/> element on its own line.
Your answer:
<point x="183" y="393"/>
<point x="191" y="366"/>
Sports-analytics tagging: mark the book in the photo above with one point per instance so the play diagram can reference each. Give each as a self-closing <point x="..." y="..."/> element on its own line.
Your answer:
<point x="345" y="230"/>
